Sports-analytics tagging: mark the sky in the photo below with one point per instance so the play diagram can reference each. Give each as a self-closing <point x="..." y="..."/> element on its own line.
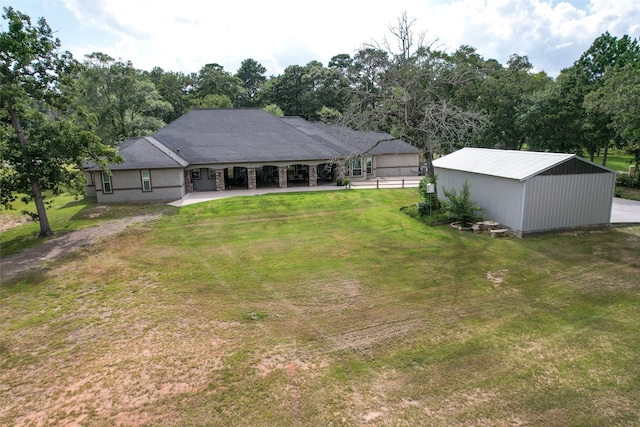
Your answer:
<point x="184" y="35"/>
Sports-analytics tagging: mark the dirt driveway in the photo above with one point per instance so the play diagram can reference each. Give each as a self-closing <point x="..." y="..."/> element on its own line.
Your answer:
<point x="56" y="247"/>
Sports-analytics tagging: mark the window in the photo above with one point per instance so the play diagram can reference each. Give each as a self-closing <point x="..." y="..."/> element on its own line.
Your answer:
<point x="357" y="166"/>
<point x="146" y="180"/>
<point x="195" y="174"/>
<point x="369" y="165"/>
<point x="211" y="174"/>
<point x="106" y="183"/>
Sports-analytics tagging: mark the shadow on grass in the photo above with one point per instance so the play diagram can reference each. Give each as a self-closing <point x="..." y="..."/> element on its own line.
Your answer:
<point x="71" y="216"/>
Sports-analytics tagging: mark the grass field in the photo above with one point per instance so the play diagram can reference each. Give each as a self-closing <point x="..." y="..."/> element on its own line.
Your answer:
<point x="324" y="308"/>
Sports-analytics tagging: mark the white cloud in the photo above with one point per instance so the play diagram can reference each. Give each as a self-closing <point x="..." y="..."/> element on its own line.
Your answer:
<point x="185" y="35"/>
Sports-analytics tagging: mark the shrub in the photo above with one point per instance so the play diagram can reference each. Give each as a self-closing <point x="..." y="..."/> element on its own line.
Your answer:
<point x="627" y="180"/>
<point x="461" y="207"/>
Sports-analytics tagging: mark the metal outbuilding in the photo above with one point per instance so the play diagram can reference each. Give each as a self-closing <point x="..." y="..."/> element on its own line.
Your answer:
<point x="531" y="192"/>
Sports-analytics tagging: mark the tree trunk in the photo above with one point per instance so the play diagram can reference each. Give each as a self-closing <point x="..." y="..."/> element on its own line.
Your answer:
<point x="428" y="158"/>
<point x="45" y="228"/>
<point x="604" y="156"/>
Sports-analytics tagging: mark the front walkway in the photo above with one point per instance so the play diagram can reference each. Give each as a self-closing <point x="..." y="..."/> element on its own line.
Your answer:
<point x="389" y="182"/>
<point x="204" y="196"/>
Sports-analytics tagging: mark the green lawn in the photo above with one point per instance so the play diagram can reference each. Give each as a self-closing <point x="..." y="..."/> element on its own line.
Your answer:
<point x="618" y="162"/>
<point x="325" y="308"/>
<point x="65" y="214"/>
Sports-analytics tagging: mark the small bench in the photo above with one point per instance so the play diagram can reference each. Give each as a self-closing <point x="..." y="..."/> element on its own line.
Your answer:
<point x="499" y="232"/>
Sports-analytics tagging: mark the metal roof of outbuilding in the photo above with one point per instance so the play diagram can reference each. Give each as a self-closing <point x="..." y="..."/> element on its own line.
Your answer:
<point x="512" y="164"/>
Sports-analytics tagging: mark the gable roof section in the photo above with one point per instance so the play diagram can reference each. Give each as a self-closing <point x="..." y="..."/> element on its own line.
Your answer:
<point x="369" y="143"/>
<point x="239" y="135"/>
<point x="512" y="164"/>
<point x="351" y="142"/>
<point x="312" y="130"/>
<point x="146" y="153"/>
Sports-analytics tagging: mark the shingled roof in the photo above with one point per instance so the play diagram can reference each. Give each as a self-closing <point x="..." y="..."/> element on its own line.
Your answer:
<point x="146" y="153"/>
<point x="250" y="135"/>
<point x="240" y="135"/>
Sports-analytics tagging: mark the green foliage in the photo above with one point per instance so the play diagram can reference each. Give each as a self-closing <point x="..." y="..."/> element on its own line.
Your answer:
<point x="174" y="88"/>
<point x="304" y="90"/>
<point x="251" y="73"/>
<point x="213" y="79"/>
<point x="44" y="133"/>
<point x="274" y="110"/>
<point x="618" y="98"/>
<point x="628" y="180"/>
<point x="328" y="115"/>
<point x="212" y="101"/>
<point x="123" y="99"/>
<point x="567" y="117"/>
<point x="460" y="207"/>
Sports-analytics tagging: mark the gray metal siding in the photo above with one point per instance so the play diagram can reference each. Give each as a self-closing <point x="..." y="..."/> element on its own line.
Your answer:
<point x="501" y="198"/>
<point x="566" y="201"/>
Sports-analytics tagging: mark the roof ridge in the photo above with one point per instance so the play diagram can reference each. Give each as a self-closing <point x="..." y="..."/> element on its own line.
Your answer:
<point x="164" y="149"/>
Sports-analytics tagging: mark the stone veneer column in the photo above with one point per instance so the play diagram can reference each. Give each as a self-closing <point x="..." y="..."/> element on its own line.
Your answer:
<point x="282" y="177"/>
<point x="188" y="184"/>
<point x="251" y="178"/>
<point x="313" y="176"/>
<point x="220" y="184"/>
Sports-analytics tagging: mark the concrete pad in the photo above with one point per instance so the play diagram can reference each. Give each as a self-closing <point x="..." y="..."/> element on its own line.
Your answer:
<point x="625" y="211"/>
<point x="205" y="196"/>
<point x="389" y="182"/>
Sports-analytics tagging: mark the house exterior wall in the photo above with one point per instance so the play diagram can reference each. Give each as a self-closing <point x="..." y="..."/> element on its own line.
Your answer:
<point x="567" y="201"/>
<point x="166" y="184"/>
<point x="395" y="165"/>
<point x="501" y="199"/>
<point x="91" y="185"/>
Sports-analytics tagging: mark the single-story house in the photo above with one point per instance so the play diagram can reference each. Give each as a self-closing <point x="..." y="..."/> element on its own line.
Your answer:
<point x="531" y="192"/>
<point x="213" y="150"/>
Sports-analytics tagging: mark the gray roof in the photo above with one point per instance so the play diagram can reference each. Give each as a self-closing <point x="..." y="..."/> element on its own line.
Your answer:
<point x="240" y="135"/>
<point x="369" y="143"/>
<point x="520" y="165"/>
<point x="250" y="135"/>
<point x="146" y="153"/>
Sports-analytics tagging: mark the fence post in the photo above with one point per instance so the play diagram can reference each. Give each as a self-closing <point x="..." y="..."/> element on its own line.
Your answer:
<point x="402" y="182"/>
<point x="377" y="183"/>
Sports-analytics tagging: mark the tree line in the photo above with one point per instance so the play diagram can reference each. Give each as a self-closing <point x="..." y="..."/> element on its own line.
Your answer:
<point x="58" y="111"/>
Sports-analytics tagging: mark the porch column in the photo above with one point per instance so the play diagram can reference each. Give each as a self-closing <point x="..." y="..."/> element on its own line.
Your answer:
<point x="282" y="177"/>
<point x="220" y="184"/>
<point x="188" y="184"/>
<point x="251" y="178"/>
<point x="313" y="176"/>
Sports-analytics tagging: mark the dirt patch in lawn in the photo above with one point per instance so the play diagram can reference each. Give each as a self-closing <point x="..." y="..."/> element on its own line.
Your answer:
<point x="34" y="259"/>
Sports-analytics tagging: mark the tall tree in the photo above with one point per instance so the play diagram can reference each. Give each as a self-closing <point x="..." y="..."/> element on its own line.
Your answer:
<point x="618" y="97"/>
<point x="173" y="87"/>
<point x="304" y="90"/>
<point x="407" y="91"/>
<point x="251" y="72"/>
<point x="213" y="79"/>
<point x="585" y="76"/>
<point x="501" y="95"/>
<point x="48" y="138"/>
<point x="125" y="102"/>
